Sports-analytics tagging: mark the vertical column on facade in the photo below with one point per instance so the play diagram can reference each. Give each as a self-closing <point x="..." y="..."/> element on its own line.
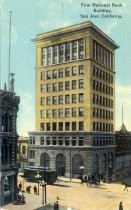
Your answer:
<point x="46" y="56"/>
<point x="64" y="52"/>
<point x="57" y="53"/>
<point x="51" y="55"/>
<point x="77" y="57"/>
<point x="70" y="50"/>
<point x="2" y="191"/>
<point x="12" y="188"/>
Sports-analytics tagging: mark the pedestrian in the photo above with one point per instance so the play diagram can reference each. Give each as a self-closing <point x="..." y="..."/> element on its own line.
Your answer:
<point x="120" y="206"/>
<point x="35" y="189"/>
<point x="125" y="187"/>
<point x="20" y="186"/>
<point x="57" y="205"/>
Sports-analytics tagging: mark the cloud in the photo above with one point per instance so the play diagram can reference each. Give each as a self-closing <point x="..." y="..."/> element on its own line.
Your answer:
<point x="123" y="98"/>
<point x="110" y="27"/>
<point x="26" y="114"/>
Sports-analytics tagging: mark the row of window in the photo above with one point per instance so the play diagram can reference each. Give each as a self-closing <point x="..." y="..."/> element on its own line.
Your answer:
<point x="62" y="52"/>
<point x="103" y="101"/>
<point x="67" y="85"/>
<point x="98" y="86"/>
<point x="67" y="99"/>
<point x="102" y="75"/>
<point x="67" y="112"/>
<point x="99" y="126"/>
<point x="102" y="55"/>
<point x="103" y="142"/>
<point x="101" y="113"/>
<point x="61" y="126"/>
<point x="67" y="72"/>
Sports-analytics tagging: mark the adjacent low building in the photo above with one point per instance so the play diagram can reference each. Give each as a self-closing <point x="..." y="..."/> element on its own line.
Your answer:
<point x="22" y="152"/>
<point x="123" y="152"/>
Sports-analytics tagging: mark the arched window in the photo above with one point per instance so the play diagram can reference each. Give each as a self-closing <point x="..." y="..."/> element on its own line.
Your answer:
<point x="60" y="164"/>
<point x="77" y="161"/>
<point x="45" y="160"/>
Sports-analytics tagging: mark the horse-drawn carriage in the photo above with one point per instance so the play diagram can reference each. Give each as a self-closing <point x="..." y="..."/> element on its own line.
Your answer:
<point x="90" y="182"/>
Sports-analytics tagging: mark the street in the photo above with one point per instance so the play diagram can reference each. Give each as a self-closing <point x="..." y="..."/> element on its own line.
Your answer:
<point x="76" y="196"/>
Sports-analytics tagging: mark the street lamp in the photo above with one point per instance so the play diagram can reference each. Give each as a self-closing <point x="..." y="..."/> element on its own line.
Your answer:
<point x="81" y="169"/>
<point x="44" y="200"/>
<point x="38" y="176"/>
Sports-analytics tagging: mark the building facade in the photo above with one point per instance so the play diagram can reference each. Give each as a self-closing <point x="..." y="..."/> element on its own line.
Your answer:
<point x="123" y="151"/>
<point x="22" y="152"/>
<point x="8" y="145"/>
<point x="75" y="94"/>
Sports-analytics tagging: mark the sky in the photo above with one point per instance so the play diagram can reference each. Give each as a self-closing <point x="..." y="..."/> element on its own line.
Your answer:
<point x="31" y="17"/>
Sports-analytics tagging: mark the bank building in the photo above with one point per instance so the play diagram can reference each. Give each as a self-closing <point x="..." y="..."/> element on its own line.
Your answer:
<point x="75" y="101"/>
<point x="8" y="143"/>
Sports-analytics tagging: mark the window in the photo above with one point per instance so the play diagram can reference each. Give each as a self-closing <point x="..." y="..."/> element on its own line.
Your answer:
<point x="42" y="113"/>
<point x="60" y="112"/>
<point x="81" y="126"/>
<point x="67" y="112"/>
<point x="67" y="126"/>
<point x="73" y="84"/>
<point x="43" y="54"/>
<point x="73" y="142"/>
<point x="48" y="113"/>
<point x="43" y="88"/>
<point x="54" y="128"/>
<point x="42" y="127"/>
<point x="73" y="70"/>
<point x="32" y="140"/>
<point x="42" y="101"/>
<point x="73" y="112"/>
<point x="55" y="54"/>
<point x="73" y="126"/>
<point x="81" y="69"/>
<point x="73" y="98"/>
<point x="54" y="87"/>
<point x="80" y="142"/>
<point x="48" y="87"/>
<point x="43" y="75"/>
<point x="81" y="48"/>
<point x="81" y="111"/>
<point x="81" y="83"/>
<point x="41" y="140"/>
<point x="54" y="74"/>
<point x="67" y="54"/>
<point x="66" y="140"/>
<point x="67" y="85"/>
<point x="60" y="99"/>
<point x="60" y="126"/>
<point x="60" y="86"/>
<point x="81" y="97"/>
<point x="54" y="113"/>
<point x="48" y="126"/>
<point x="48" y="100"/>
<point x="48" y="140"/>
<point x="49" y="49"/>
<point x="32" y="154"/>
<point x="48" y="74"/>
<point x="23" y="150"/>
<point x="60" y="73"/>
<point x="74" y="50"/>
<point x="54" y="100"/>
<point x="67" y="72"/>
<point x="67" y="99"/>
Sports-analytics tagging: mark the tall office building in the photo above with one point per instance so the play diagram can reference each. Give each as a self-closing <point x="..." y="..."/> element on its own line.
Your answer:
<point x="75" y="101"/>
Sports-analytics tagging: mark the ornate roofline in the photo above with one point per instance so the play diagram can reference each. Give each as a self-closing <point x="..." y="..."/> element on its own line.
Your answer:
<point x="72" y="28"/>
